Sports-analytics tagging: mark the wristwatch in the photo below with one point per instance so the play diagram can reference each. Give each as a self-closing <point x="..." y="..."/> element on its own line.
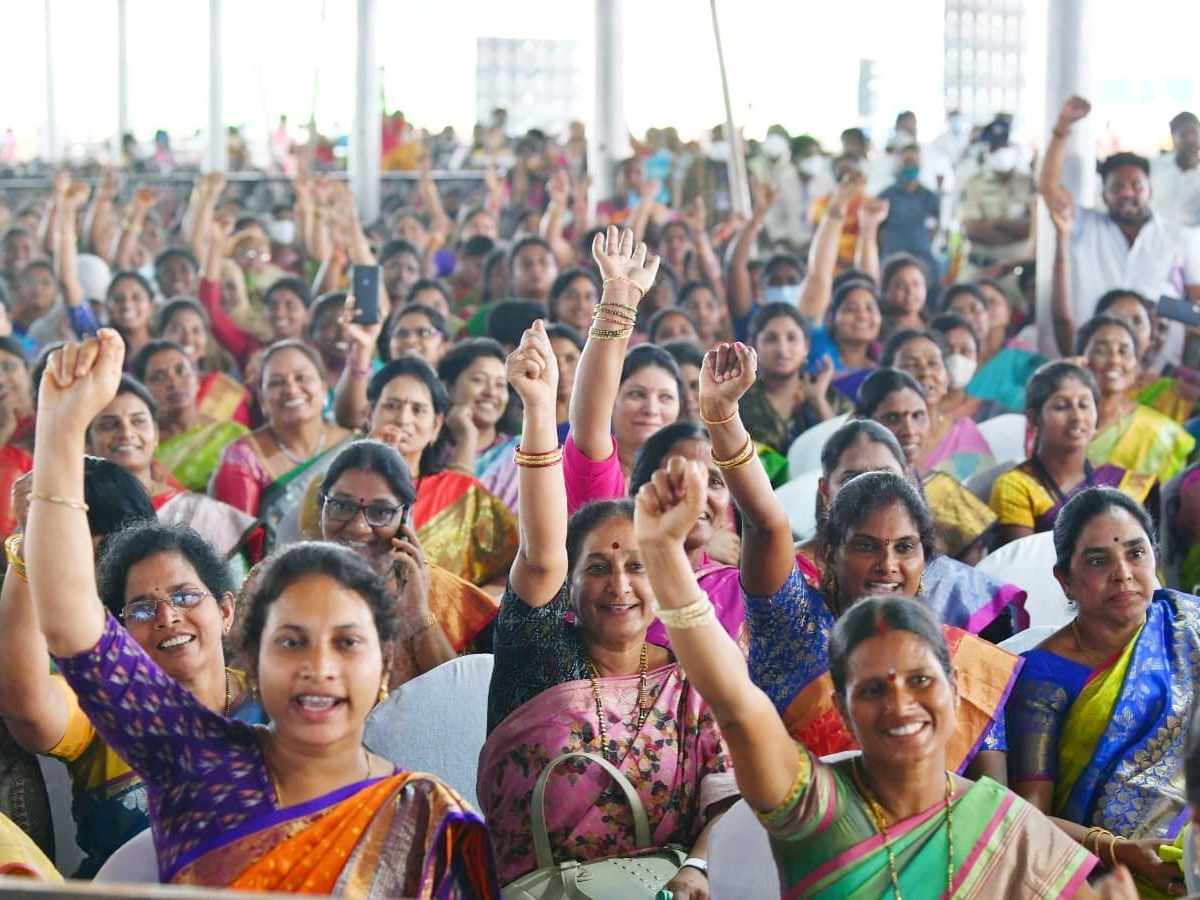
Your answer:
<point x="695" y="862"/>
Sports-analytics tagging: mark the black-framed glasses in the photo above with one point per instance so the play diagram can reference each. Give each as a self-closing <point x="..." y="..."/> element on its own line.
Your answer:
<point x="143" y="611"/>
<point x="378" y="515"/>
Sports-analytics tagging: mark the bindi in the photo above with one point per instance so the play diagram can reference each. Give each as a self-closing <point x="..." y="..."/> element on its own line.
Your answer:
<point x="616" y="546"/>
<point x="891" y="674"/>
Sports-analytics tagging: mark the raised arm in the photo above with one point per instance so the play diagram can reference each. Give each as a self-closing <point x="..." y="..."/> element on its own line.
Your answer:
<point x="66" y="254"/>
<point x="645" y="210"/>
<point x="31" y="704"/>
<point x="540" y="568"/>
<point x="627" y="275"/>
<point x="739" y="293"/>
<point x="765" y="758"/>
<point x="80" y="380"/>
<point x="817" y="289"/>
<point x="768" y="554"/>
<point x="350" y="406"/>
<point x="551" y="227"/>
<point x="1062" y="214"/>
<point x="872" y="213"/>
<point x="131" y="229"/>
<point x="696" y="216"/>
<point x="101" y="216"/>
<point x="47" y="235"/>
<point x="1050" y="179"/>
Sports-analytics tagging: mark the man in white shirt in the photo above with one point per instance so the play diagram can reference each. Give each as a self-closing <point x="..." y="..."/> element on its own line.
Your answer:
<point x="1126" y="246"/>
<point x="1175" y="177"/>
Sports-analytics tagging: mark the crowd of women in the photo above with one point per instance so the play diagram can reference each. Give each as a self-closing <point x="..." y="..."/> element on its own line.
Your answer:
<point x="238" y="515"/>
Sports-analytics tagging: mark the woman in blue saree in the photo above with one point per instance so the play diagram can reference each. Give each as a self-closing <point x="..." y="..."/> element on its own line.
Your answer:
<point x="1099" y="714"/>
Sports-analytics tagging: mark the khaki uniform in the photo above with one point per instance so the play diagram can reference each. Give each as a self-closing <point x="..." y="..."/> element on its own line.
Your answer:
<point x="986" y="197"/>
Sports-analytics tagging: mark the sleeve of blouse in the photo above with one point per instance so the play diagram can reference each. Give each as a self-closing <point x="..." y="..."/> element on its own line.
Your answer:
<point x="1036" y="710"/>
<point x="226" y="332"/>
<point x="237" y="479"/>
<point x="155" y="724"/>
<point x="804" y="809"/>
<point x="589" y="480"/>
<point x="1011" y="501"/>
<point x="789" y="638"/>
<point x="997" y="736"/>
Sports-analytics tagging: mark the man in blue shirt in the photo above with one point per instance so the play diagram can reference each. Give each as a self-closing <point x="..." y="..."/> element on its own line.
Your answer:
<point x="913" y="212"/>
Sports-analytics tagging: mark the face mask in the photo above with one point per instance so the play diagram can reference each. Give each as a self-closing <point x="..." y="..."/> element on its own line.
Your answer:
<point x="774" y="146"/>
<point x="147" y="272"/>
<point x="960" y="369"/>
<point x="783" y="293"/>
<point x="720" y="151"/>
<point x="1002" y="159"/>
<point x="282" y="231"/>
<point x="809" y="166"/>
<point x="909" y="173"/>
<point x="956" y="125"/>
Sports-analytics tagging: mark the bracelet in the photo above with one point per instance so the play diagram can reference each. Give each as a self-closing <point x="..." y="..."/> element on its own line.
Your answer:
<point x="739" y="459"/>
<point x="364" y="372"/>
<point x="616" y="310"/>
<point x="1112" y="848"/>
<point x="12" y="547"/>
<point x="538" y="460"/>
<point x="697" y="614"/>
<point x="1088" y="836"/>
<point x="1062" y="133"/>
<point x="61" y="501"/>
<point x="729" y="418"/>
<point x="610" y="334"/>
<point x="130" y="228"/>
<point x="607" y="281"/>
<point x="428" y="622"/>
<point x="602" y="318"/>
<point x="632" y="310"/>
<point x="695" y="862"/>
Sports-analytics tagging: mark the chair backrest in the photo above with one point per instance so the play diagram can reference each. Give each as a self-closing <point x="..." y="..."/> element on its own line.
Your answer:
<point x="805" y="453"/>
<point x="67" y="855"/>
<point x="437" y="722"/>
<point x="1028" y="563"/>
<point x="1005" y="434"/>
<point x="980" y="484"/>
<point x="134" y="862"/>
<point x="1027" y="639"/>
<point x="740" y="864"/>
<point x="799" y="499"/>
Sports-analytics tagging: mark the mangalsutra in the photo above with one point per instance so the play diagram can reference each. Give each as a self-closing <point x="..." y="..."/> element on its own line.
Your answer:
<point x="643" y="710"/>
<point x="291" y="457"/>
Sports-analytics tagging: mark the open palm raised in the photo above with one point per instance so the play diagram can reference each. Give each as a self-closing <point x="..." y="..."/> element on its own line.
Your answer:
<point x="617" y="257"/>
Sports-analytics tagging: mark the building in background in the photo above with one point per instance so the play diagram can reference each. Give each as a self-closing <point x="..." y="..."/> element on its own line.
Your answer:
<point x="986" y="53"/>
<point x="538" y="82"/>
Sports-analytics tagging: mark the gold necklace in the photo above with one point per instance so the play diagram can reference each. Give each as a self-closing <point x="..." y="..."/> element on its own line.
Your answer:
<point x="275" y="781"/>
<point x="1086" y="651"/>
<point x="643" y="704"/>
<point x="879" y="819"/>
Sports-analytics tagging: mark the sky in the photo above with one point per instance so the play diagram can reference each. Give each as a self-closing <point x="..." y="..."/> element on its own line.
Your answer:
<point x="795" y="63"/>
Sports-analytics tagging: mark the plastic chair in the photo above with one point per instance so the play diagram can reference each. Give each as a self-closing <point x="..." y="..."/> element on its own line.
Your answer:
<point x="980" y="484"/>
<point x="1029" y="563"/>
<point x="437" y="722"/>
<point x="1027" y="639"/>
<point x="1005" y="434"/>
<point x="134" y="862"/>
<point x="805" y="453"/>
<point x="740" y="864"/>
<point x="799" y="499"/>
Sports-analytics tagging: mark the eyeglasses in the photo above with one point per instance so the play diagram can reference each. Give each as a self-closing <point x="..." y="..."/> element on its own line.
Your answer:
<point x="143" y="611"/>
<point x="378" y="515"/>
<point x="420" y="334"/>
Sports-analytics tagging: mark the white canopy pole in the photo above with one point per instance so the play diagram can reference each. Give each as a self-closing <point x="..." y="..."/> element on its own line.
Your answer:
<point x="50" y="137"/>
<point x="123" y="126"/>
<point x="364" y="162"/>
<point x="739" y="181"/>
<point x="218" y="142"/>
<point x="609" y="141"/>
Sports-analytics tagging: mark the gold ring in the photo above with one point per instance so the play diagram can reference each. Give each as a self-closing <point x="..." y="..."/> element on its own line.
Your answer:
<point x="519" y="357"/>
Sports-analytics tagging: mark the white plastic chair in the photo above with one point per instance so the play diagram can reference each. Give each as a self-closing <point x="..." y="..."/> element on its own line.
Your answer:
<point x="1005" y="434"/>
<point x="1027" y="639"/>
<point x="67" y="855"/>
<point x="437" y="722"/>
<point x="134" y="862"/>
<point x="799" y="499"/>
<point x="1029" y="563"/>
<point x="740" y="864"/>
<point x="805" y="453"/>
<point x="980" y="484"/>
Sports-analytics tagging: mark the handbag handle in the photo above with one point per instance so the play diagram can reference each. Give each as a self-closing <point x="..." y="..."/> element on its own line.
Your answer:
<point x="541" y="835"/>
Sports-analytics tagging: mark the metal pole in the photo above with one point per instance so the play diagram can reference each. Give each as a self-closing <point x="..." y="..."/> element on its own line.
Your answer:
<point x="50" y="133"/>
<point x="1068" y="71"/>
<point x="218" y="142"/>
<point x="123" y="126"/>
<point x="365" y="150"/>
<point x="739" y="182"/>
<point x="610" y="133"/>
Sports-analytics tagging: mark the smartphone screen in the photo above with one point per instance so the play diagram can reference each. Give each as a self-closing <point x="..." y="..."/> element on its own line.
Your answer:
<point x="365" y="287"/>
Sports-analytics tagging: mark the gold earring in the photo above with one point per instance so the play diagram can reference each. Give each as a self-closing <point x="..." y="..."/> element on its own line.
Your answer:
<point x="921" y="586"/>
<point x="383" y="690"/>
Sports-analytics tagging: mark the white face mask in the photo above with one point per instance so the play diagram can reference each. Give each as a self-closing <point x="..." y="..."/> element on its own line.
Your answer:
<point x="774" y="146"/>
<point x="960" y="369"/>
<point x="282" y="231"/>
<point x="1002" y="159"/>
<point x="782" y="293"/>
<point x="810" y="165"/>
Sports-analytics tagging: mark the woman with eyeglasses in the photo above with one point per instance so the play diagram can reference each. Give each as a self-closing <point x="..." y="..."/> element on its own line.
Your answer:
<point x="365" y="501"/>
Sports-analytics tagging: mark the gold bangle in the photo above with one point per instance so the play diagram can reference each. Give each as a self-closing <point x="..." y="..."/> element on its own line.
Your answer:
<point x="629" y="281"/>
<point x="729" y="418"/>
<point x="632" y="310"/>
<point x="740" y="458"/>
<point x="603" y="318"/>
<point x="16" y="565"/>
<point x="537" y="460"/>
<point x="130" y="228"/>
<point x="1112" y="848"/>
<point x="429" y="621"/>
<point x="610" y="334"/>
<point x="617" y="310"/>
<point x="697" y="614"/>
<point x="61" y="501"/>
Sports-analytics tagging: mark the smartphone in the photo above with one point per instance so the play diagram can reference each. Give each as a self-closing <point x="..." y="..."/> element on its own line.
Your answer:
<point x="1179" y="310"/>
<point x="405" y="519"/>
<point x="365" y="287"/>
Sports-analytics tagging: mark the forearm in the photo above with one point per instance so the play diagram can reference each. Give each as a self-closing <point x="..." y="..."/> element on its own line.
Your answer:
<point x="466" y="448"/>
<point x="430" y="645"/>
<point x="48" y="225"/>
<point x="1050" y="178"/>
<point x="740" y="294"/>
<point x="706" y="258"/>
<point x="987" y="234"/>
<point x="59" y="554"/>
<point x="66" y="259"/>
<point x="541" y="563"/>
<point x="350" y="405"/>
<point x="28" y="702"/>
<point x="127" y="241"/>
<point x="551" y="229"/>
<point x="232" y="338"/>
<point x="1060" y="297"/>
<point x="597" y="380"/>
<point x="641" y="219"/>
<point x="822" y="262"/>
<point x="866" y="252"/>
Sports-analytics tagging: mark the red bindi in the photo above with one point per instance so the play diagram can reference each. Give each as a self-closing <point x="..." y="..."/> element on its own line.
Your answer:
<point x="616" y="546"/>
<point x="891" y="674"/>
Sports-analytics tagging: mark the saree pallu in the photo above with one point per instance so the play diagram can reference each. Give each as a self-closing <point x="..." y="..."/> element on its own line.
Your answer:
<point x="223" y="398"/>
<point x="771" y="430"/>
<point x="1173" y="397"/>
<point x="407" y="835"/>
<point x="23" y="798"/>
<point x="723" y="585"/>
<point x="285" y="494"/>
<point x="1121" y="747"/>
<point x="218" y="523"/>
<point x="826" y="846"/>
<point x="962" y="452"/>
<point x="1002" y="378"/>
<point x="497" y="471"/>
<point x="1134" y="484"/>
<point x="14" y="462"/>
<point x="962" y="518"/>
<point x="464" y="528"/>
<point x="192" y="457"/>
<point x="1144" y="441"/>
<point x="20" y="856"/>
<point x="676" y="761"/>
